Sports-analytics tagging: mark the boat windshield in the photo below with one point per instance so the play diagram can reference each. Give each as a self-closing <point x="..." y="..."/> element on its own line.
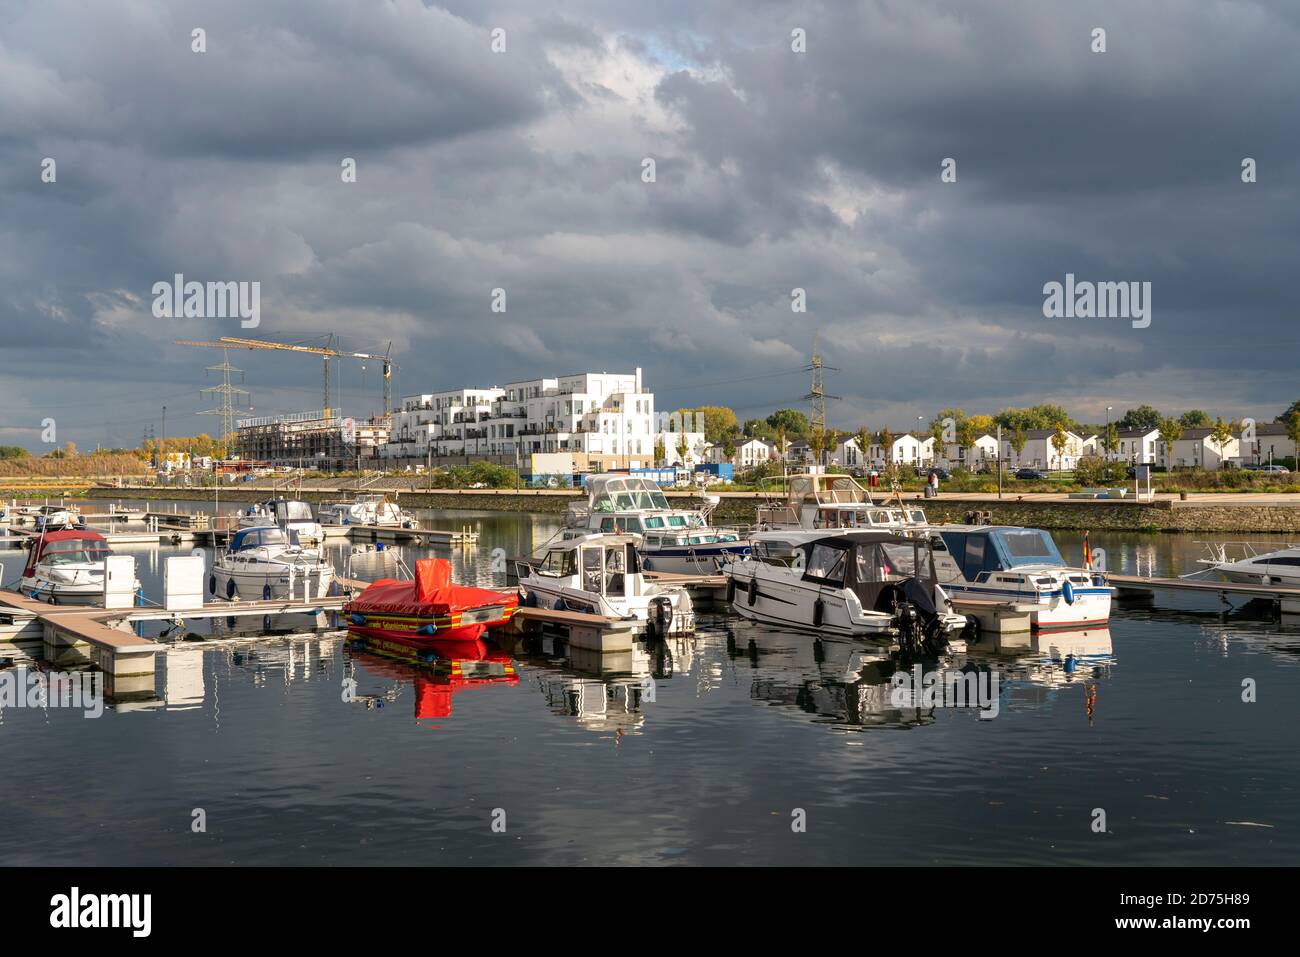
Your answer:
<point x="75" y="551"/>
<point x="295" y="511"/>
<point x="621" y="495"/>
<point x="259" y="536"/>
<point x="1029" y="546"/>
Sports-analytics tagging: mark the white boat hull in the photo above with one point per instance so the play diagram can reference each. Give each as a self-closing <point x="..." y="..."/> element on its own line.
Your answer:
<point x="73" y="593"/>
<point x="258" y="584"/>
<point x="789" y="603"/>
<point x="559" y="597"/>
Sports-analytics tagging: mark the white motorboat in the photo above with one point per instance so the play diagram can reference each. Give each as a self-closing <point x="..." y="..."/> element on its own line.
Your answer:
<point x="601" y="575"/>
<point x="373" y="510"/>
<point x="822" y="504"/>
<point x="1023" y="565"/>
<point x="291" y="515"/>
<point x="262" y="563"/>
<point x="680" y="541"/>
<point x="1253" y="563"/>
<point x="49" y="518"/>
<point x="855" y="583"/>
<point x="67" y="566"/>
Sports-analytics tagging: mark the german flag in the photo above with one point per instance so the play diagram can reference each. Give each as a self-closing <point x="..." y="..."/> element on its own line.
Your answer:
<point x="1087" y="553"/>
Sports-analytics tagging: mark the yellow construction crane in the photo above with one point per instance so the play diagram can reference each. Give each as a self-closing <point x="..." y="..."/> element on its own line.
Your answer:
<point x="325" y="352"/>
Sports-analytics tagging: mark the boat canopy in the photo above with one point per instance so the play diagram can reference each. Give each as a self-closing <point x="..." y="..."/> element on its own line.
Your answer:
<point x="68" y="547"/>
<point x="999" y="548"/>
<point x="288" y="510"/>
<point x="624" y="493"/>
<point x="254" y="537"/>
<point x="827" y="490"/>
<point x="870" y="563"/>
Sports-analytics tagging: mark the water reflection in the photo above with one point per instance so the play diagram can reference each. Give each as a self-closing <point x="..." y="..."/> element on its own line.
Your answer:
<point x="601" y="691"/>
<point x="851" y="685"/>
<point x="381" y="682"/>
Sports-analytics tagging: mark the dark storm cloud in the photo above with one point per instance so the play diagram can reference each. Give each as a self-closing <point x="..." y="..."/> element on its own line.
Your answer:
<point x="774" y="170"/>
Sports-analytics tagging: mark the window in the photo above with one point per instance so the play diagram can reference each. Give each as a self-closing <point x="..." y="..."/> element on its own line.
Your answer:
<point x="825" y="562"/>
<point x="592" y="571"/>
<point x="559" y="564"/>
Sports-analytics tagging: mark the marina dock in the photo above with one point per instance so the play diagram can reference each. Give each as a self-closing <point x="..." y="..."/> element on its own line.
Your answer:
<point x="1285" y="598"/>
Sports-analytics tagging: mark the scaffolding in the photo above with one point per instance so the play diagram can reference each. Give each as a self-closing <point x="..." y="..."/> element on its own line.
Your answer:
<point x="317" y="439"/>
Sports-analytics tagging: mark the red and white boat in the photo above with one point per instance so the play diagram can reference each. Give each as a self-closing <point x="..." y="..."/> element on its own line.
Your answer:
<point x="67" y="566"/>
<point x="429" y="616"/>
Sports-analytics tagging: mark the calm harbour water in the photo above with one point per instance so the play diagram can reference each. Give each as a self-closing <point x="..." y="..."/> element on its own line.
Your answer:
<point x="745" y="726"/>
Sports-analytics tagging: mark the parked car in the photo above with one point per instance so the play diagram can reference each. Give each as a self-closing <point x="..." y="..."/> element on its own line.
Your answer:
<point x="1275" y="468"/>
<point x="1029" y="474"/>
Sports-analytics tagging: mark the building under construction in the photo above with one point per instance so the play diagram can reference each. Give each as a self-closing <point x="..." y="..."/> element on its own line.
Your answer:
<point x="315" y="440"/>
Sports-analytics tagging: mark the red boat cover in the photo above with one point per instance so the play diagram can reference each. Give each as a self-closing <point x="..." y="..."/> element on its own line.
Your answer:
<point x="42" y="545"/>
<point x="431" y="594"/>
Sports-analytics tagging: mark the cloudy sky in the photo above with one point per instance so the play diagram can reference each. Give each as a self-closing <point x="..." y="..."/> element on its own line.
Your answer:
<point x="522" y="170"/>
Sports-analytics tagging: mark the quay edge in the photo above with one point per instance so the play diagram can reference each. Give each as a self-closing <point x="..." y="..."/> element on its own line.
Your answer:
<point x="1162" y="515"/>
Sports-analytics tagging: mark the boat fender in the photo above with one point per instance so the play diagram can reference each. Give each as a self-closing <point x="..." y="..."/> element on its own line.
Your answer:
<point x="426" y="630"/>
<point x="752" y="595"/>
<point x="357" y="619"/>
<point x="819" y="609"/>
<point x="231" y="589"/>
<point x="1067" y="592"/>
<point x="266" y="593"/>
<point x="212" y="584"/>
<point x="731" y="590"/>
<point x="530" y="599"/>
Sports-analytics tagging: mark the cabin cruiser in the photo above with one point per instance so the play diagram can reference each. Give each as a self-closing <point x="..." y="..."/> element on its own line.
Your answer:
<point x="854" y="583"/>
<point x="822" y="504"/>
<point x="52" y="518"/>
<point x="601" y="575"/>
<point x="1023" y="565"/>
<point x="1247" y="564"/>
<point x="679" y="541"/>
<point x="291" y="515"/>
<point x="263" y="563"/>
<point x="67" y="565"/>
<point x="373" y="510"/>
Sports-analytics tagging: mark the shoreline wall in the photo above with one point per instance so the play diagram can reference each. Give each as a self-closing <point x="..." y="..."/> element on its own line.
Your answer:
<point x="739" y="508"/>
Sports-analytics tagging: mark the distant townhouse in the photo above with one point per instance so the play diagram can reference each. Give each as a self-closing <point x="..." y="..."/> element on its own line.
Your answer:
<point x="980" y="453"/>
<point x="1137" y="446"/>
<point x="1270" y="443"/>
<point x="1197" y="449"/>
<point x="1040" y="453"/>
<point x="749" y="453"/>
<point x="696" y="449"/>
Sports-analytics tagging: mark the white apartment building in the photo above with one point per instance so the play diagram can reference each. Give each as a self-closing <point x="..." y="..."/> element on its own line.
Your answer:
<point x="607" y="416"/>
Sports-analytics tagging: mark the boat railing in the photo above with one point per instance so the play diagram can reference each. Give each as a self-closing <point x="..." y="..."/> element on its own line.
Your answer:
<point x="1223" y="552"/>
